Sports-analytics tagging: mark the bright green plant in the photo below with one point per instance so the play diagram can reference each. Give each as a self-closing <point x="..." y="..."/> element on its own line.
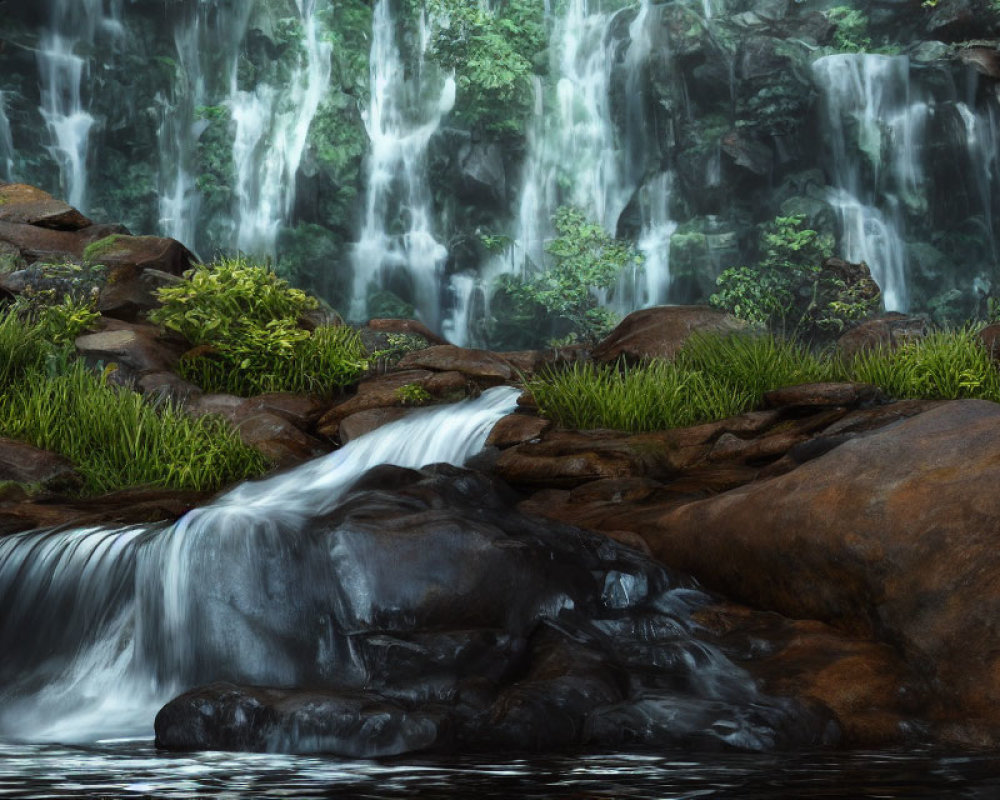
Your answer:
<point x="244" y="321"/>
<point x="116" y="440"/>
<point x="62" y="322"/>
<point x="583" y="258"/>
<point x="851" y="29"/>
<point x="413" y="394"/>
<point x="217" y="302"/>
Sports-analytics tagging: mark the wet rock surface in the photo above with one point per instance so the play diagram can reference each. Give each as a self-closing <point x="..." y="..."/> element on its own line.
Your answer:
<point x="428" y="615"/>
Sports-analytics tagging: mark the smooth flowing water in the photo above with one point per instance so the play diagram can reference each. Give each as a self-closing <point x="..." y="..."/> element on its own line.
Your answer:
<point x="6" y="143"/>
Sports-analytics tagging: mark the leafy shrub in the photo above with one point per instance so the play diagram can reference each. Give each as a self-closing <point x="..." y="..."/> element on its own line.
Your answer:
<point x="491" y="49"/>
<point x="116" y="440"/>
<point x="851" y="29"/>
<point x="244" y="321"/>
<point x="62" y="322"/>
<point x="789" y="289"/>
<point x="583" y="258"/>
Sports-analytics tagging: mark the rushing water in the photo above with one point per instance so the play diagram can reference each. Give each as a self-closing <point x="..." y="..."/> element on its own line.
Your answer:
<point x="134" y="770"/>
<point x="6" y="143"/>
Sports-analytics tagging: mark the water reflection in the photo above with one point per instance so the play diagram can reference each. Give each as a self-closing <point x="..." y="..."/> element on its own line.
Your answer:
<point x="136" y="770"/>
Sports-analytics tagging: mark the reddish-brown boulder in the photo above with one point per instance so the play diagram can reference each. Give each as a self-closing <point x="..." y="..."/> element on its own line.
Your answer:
<point x="28" y="205"/>
<point x="137" y="347"/>
<point x="300" y="409"/>
<point x="411" y="327"/>
<point x="366" y="421"/>
<point x="517" y="429"/>
<point x="891" y="535"/>
<point x="449" y="358"/>
<point x="661" y="332"/>
<point x="886" y="332"/>
<point x="22" y="463"/>
<point x="278" y="439"/>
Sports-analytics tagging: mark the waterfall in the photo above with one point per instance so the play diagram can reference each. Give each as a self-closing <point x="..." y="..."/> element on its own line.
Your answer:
<point x="101" y="626"/>
<point x="63" y="71"/>
<point x="874" y="127"/>
<point x="272" y="124"/>
<point x="207" y="38"/>
<point x="982" y="150"/>
<point x="397" y="242"/>
<point x="6" y="143"/>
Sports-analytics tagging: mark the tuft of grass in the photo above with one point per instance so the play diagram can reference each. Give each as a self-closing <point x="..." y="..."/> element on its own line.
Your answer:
<point x="945" y="365"/>
<point x="652" y="397"/>
<point x="755" y="364"/>
<point x="22" y="350"/>
<point x="116" y="440"/>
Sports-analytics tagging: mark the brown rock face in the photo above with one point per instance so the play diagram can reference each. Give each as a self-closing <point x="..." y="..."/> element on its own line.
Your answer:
<point x="137" y="347"/>
<point x="448" y="357"/>
<point x="23" y="463"/>
<point x="660" y="332"/>
<point x="279" y="439"/>
<point x="409" y="326"/>
<point x="28" y="205"/>
<point x="886" y="333"/>
<point x="892" y="535"/>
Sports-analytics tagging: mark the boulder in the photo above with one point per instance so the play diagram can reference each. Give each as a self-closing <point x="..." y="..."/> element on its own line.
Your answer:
<point x="137" y="348"/>
<point x="660" y="332"/>
<point x="366" y="421"/>
<point x="161" y="387"/>
<point x="517" y="429"/>
<point x="28" y="205"/>
<point x="479" y="364"/>
<point x="299" y="409"/>
<point x="886" y="332"/>
<point x="123" y="255"/>
<point x="22" y="463"/>
<point x="278" y="439"/>
<point x="890" y="535"/>
<point x="411" y="327"/>
<point x="224" y="405"/>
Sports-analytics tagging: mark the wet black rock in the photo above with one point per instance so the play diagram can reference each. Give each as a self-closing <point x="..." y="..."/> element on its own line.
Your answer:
<point x="423" y="613"/>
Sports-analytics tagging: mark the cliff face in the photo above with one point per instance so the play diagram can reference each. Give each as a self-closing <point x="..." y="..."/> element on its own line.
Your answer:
<point x="395" y="156"/>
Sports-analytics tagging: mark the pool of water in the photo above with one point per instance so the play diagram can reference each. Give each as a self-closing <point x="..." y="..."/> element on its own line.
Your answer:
<point x="136" y="770"/>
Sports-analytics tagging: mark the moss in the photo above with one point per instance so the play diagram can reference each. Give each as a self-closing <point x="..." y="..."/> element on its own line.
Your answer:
<point x="102" y="247"/>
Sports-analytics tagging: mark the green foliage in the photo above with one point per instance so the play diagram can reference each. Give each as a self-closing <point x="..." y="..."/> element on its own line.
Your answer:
<point x="116" y="440"/>
<point x="789" y="289"/>
<point x="583" y="258"/>
<point x="851" y="34"/>
<point x="60" y="301"/>
<point x="62" y="322"/>
<point x="943" y="365"/>
<point x="22" y="350"/>
<point x="94" y="251"/>
<point x="220" y="301"/>
<point x="413" y="394"/>
<point x="244" y="320"/>
<point x="492" y="50"/>
<point x="651" y="397"/>
<point x="216" y="171"/>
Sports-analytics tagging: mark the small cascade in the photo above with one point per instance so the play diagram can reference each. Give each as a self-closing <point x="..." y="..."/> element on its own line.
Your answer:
<point x="875" y="128"/>
<point x="463" y="293"/>
<point x="272" y="122"/>
<point x="982" y="147"/>
<point x="73" y="27"/>
<point x="397" y="246"/>
<point x="101" y="626"/>
<point x="654" y="243"/>
<point x="6" y="143"/>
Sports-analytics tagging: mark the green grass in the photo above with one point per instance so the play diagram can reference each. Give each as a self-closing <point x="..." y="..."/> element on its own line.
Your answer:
<point x="635" y="399"/>
<point x="944" y="365"/>
<point x="714" y="377"/>
<point x="116" y="440"/>
<point x="22" y="350"/>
